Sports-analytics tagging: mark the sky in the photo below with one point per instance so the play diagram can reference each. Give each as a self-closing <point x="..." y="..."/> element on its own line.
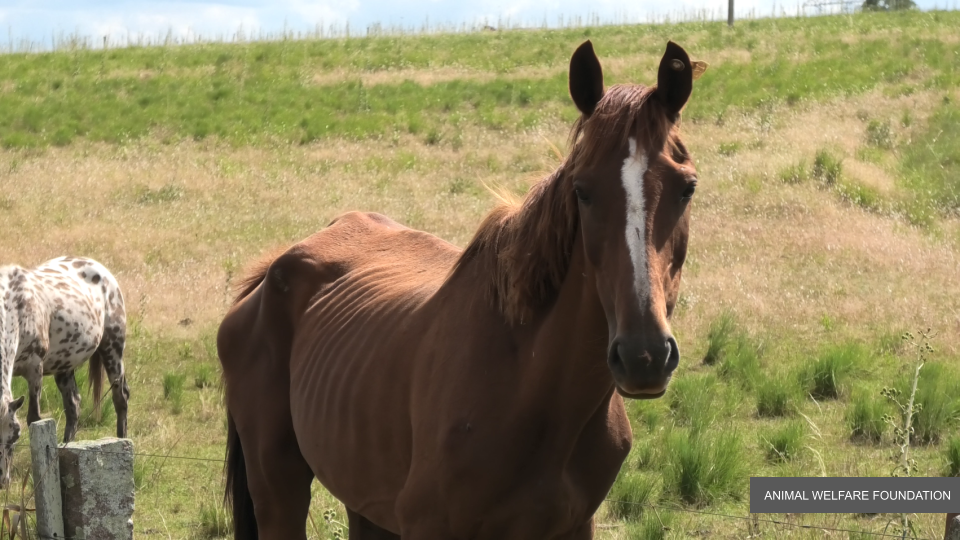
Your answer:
<point x="40" y="21"/>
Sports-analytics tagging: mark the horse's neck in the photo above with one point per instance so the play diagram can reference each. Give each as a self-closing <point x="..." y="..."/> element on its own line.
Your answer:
<point x="9" y="333"/>
<point x="569" y="345"/>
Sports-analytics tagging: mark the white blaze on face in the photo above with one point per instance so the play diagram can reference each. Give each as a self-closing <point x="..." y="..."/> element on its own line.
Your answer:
<point x="634" y="168"/>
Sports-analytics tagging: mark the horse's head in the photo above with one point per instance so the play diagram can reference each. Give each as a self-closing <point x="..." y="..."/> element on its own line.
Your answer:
<point x="634" y="179"/>
<point x="9" y="435"/>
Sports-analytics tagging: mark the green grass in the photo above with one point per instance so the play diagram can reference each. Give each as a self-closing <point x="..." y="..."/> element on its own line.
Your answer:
<point x="732" y="351"/>
<point x="785" y="442"/>
<point x="262" y="92"/>
<point x="703" y="468"/>
<point x="952" y="456"/>
<point x="630" y="493"/>
<point x="859" y="194"/>
<point x="879" y="134"/>
<point x="938" y="398"/>
<point x="694" y="400"/>
<point x="827" y="168"/>
<point x="776" y="396"/>
<point x="173" y="390"/>
<point x="794" y="174"/>
<point x="203" y="376"/>
<point x="168" y="193"/>
<point x="652" y="526"/>
<point x="741" y="361"/>
<point x="828" y="376"/>
<point x="729" y="148"/>
<point x="214" y="520"/>
<point x="141" y="471"/>
<point x="865" y="417"/>
<point x="930" y="165"/>
<point x="721" y="333"/>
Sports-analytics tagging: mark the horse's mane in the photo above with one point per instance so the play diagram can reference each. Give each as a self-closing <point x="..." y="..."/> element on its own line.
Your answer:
<point x="526" y="247"/>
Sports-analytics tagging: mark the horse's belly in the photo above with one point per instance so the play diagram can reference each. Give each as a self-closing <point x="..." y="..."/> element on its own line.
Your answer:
<point x="74" y="336"/>
<point x="349" y="407"/>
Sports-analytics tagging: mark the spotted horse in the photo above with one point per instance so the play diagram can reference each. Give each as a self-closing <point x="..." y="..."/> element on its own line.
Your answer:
<point x="52" y="319"/>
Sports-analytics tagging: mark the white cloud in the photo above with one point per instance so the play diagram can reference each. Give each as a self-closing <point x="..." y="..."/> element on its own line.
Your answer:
<point x="183" y="19"/>
<point x="37" y="20"/>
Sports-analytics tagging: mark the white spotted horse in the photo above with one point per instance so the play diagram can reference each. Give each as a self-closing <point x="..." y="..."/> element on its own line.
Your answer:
<point x="52" y="319"/>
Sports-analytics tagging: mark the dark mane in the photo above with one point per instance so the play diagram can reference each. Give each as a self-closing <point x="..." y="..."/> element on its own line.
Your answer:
<point x="526" y="247"/>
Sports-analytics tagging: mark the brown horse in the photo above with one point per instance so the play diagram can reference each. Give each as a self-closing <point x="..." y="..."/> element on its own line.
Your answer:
<point x="445" y="394"/>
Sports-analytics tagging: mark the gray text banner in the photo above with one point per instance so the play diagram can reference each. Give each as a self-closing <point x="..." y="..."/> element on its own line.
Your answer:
<point x="854" y="495"/>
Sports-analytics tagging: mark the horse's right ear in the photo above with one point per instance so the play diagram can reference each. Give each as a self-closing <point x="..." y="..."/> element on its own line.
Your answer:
<point x="586" y="78"/>
<point x="675" y="79"/>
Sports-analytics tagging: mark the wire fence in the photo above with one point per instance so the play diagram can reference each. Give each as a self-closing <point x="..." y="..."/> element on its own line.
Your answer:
<point x="752" y="518"/>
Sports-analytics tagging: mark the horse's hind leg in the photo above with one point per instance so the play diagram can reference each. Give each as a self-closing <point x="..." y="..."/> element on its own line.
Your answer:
<point x="362" y="529"/>
<point x="67" y="384"/>
<point x="109" y="354"/>
<point x="279" y="483"/>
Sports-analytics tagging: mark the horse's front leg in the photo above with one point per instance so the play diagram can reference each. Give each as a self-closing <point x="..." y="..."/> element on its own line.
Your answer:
<point x="67" y="384"/>
<point x="35" y="381"/>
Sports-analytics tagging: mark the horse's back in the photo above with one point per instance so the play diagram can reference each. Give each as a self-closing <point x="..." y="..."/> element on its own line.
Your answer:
<point x="362" y="248"/>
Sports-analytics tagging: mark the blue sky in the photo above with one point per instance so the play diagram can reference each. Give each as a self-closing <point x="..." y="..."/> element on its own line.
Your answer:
<point x="38" y="20"/>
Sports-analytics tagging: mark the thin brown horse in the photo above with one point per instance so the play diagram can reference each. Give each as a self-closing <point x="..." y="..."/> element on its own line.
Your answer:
<point x="444" y="394"/>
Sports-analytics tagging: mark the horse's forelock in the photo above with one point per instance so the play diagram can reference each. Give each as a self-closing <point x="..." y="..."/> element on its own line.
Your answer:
<point x="625" y="111"/>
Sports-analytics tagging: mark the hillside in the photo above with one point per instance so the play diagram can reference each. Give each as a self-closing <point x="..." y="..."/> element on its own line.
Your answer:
<point x="826" y="224"/>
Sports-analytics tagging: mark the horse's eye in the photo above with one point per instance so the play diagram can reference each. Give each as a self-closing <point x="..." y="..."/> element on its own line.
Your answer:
<point x="581" y="194"/>
<point x="688" y="193"/>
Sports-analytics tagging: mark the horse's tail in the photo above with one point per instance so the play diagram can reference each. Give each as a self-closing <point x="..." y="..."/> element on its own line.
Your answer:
<point x="95" y="380"/>
<point x="253" y="275"/>
<point x="237" y="493"/>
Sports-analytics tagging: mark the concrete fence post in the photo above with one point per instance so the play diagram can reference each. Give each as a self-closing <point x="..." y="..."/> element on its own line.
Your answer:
<point x="46" y="478"/>
<point x="96" y="481"/>
<point x="952" y="531"/>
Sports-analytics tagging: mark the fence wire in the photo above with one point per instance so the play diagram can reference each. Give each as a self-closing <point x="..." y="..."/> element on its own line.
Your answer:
<point x="753" y="518"/>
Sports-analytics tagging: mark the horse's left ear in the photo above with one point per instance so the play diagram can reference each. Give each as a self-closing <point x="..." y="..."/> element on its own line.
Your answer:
<point x="674" y="79"/>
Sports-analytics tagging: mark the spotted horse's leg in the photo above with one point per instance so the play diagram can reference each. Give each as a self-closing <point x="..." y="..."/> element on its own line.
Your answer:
<point x="34" y="376"/>
<point x="67" y="384"/>
<point x="109" y="354"/>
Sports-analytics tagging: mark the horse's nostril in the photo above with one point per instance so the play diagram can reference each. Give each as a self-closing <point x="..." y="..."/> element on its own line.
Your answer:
<point x="673" y="355"/>
<point x="615" y="359"/>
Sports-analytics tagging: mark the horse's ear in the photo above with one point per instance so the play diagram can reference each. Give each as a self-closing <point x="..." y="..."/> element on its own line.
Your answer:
<point x="586" y="78"/>
<point x="674" y="79"/>
<point x="15" y="405"/>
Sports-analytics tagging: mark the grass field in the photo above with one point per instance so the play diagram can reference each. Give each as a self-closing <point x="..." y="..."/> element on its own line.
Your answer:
<point x="827" y="223"/>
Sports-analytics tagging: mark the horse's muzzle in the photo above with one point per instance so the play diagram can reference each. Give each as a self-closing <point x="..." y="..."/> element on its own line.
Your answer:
<point x="642" y="370"/>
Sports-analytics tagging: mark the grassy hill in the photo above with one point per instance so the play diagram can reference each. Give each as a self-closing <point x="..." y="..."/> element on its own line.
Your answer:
<point x="827" y="224"/>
